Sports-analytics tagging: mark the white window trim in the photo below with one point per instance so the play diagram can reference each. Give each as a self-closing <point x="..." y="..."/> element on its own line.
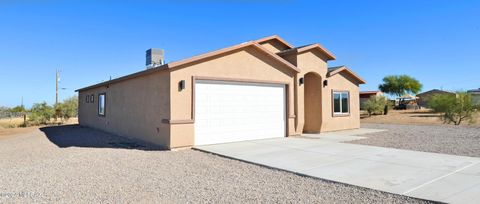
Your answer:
<point x="341" y="113"/>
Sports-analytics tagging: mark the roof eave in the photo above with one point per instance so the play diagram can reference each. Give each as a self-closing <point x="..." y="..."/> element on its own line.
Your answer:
<point x="327" y="53"/>
<point x="274" y="37"/>
<point x="344" y="68"/>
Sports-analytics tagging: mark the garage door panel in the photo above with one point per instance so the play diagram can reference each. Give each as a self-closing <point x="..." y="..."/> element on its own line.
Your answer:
<point x="228" y="112"/>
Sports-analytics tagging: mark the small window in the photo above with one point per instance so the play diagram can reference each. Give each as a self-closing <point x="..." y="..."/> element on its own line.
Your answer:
<point x="101" y="104"/>
<point x="92" y="100"/>
<point x="341" y="103"/>
<point x="87" y="99"/>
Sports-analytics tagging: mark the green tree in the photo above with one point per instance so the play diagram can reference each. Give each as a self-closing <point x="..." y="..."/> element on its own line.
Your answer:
<point x="455" y="109"/>
<point x="400" y="85"/>
<point x="376" y="105"/>
<point x="41" y="113"/>
<point x="18" y="109"/>
<point x="69" y="108"/>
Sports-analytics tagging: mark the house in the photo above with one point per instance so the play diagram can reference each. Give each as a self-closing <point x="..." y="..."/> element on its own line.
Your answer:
<point x="423" y="98"/>
<point x="475" y="96"/>
<point x="259" y="89"/>
<point x="365" y="95"/>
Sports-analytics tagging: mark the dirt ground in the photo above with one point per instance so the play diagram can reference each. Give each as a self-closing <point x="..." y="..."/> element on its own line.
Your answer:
<point x="71" y="164"/>
<point x="411" y="117"/>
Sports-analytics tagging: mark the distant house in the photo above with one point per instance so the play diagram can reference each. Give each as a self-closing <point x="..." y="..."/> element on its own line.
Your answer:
<point x="475" y="95"/>
<point x="365" y="95"/>
<point x="422" y="98"/>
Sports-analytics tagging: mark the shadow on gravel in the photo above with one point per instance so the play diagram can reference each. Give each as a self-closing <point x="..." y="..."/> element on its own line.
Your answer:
<point x="77" y="136"/>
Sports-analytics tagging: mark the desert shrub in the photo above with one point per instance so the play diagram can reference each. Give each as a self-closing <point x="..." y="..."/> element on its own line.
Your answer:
<point x="67" y="109"/>
<point x="455" y="109"/>
<point x="376" y="105"/>
<point x="41" y="113"/>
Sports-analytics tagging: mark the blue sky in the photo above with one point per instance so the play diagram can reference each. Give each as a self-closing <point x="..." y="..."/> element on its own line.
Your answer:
<point x="436" y="41"/>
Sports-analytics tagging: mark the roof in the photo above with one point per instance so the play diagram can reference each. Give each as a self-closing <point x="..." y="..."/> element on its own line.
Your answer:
<point x="435" y="91"/>
<point x="343" y="69"/>
<point x="275" y="38"/>
<point x="309" y="47"/>
<point x="335" y="68"/>
<point x="181" y="63"/>
<point x="474" y="91"/>
<point x="369" y="92"/>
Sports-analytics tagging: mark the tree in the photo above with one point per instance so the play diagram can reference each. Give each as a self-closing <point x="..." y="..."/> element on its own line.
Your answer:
<point x="400" y="85"/>
<point x="18" y="109"/>
<point x="41" y="113"/>
<point x="69" y="108"/>
<point x="375" y="105"/>
<point x="455" y="109"/>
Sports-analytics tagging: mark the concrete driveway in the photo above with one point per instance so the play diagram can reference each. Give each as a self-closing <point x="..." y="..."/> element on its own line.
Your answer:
<point x="431" y="176"/>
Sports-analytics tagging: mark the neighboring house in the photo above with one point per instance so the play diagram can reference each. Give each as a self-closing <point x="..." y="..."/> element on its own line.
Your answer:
<point x="365" y="95"/>
<point x="258" y="89"/>
<point x="475" y="96"/>
<point x="423" y="98"/>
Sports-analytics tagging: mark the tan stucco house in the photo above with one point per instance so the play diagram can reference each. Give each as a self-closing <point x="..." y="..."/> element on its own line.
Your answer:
<point x="259" y="89"/>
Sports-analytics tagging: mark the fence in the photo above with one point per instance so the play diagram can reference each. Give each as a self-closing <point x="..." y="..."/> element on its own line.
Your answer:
<point x="8" y="114"/>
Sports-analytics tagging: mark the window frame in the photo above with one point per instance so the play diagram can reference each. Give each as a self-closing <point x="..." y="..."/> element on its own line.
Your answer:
<point x="104" y="104"/>
<point x="341" y="113"/>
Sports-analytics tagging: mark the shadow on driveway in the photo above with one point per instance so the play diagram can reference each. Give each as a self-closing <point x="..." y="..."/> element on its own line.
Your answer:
<point x="78" y="136"/>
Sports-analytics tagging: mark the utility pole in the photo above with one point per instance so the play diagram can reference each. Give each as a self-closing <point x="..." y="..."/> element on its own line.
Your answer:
<point x="57" y="78"/>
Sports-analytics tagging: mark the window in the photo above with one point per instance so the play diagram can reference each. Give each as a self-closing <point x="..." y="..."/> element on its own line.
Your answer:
<point x="101" y="104"/>
<point x="87" y="99"/>
<point x="92" y="100"/>
<point x="341" y="104"/>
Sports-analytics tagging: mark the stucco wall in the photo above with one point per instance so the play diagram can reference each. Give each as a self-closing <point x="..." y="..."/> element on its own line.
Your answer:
<point x="314" y="62"/>
<point x="309" y="62"/>
<point x="341" y="82"/>
<point x="246" y="64"/>
<point x="134" y="108"/>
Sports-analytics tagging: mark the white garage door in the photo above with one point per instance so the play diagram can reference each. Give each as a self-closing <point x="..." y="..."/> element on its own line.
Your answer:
<point x="229" y="111"/>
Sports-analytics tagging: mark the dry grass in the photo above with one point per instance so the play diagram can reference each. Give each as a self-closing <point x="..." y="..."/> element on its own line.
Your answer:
<point x="12" y="126"/>
<point x="11" y="122"/>
<point x="411" y="117"/>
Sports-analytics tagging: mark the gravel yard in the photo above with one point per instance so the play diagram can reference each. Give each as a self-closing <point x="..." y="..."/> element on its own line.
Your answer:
<point x="446" y="139"/>
<point x="72" y="164"/>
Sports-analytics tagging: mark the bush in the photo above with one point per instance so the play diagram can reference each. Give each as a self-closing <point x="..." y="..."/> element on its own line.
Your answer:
<point x="67" y="109"/>
<point x="41" y="113"/>
<point x="455" y="109"/>
<point x="376" y="105"/>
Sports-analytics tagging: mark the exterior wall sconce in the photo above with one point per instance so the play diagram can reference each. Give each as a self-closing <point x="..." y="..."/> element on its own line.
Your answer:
<point x="300" y="81"/>
<point x="181" y="85"/>
<point x="325" y="83"/>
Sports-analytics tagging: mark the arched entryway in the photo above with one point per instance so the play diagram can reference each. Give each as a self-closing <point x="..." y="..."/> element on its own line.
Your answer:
<point x="312" y="102"/>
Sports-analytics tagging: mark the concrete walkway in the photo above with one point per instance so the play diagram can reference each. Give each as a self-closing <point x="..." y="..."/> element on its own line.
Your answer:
<point x="431" y="176"/>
